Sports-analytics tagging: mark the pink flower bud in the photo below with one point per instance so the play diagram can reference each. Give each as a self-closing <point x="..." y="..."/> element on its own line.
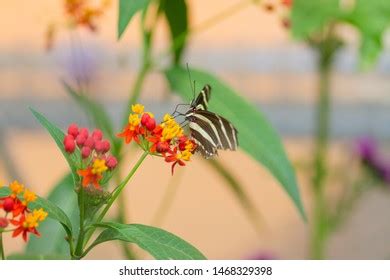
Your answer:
<point x="106" y="146"/>
<point x="111" y="162"/>
<point x="84" y="132"/>
<point x="85" y="152"/>
<point x="8" y="204"/>
<point x="69" y="144"/>
<point x="99" y="147"/>
<point x="97" y="134"/>
<point x="80" y="140"/>
<point x="3" y="222"/>
<point x="73" y="130"/>
<point x="90" y="142"/>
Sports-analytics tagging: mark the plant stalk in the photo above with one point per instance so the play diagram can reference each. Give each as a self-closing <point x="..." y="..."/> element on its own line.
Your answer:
<point x="320" y="229"/>
<point x="114" y="196"/>
<point x="2" y="246"/>
<point x="80" y="240"/>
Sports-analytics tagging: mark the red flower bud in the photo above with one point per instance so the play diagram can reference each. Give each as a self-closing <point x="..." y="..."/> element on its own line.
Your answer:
<point x="97" y="134"/>
<point x="111" y="162"/>
<point x="73" y="130"/>
<point x="106" y="146"/>
<point x="99" y="147"/>
<point x="8" y="204"/>
<point x="85" y="152"/>
<point x="80" y="140"/>
<point x="90" y="142"/>
<point x="69" y="144"/>
<point x="84" y="132"/>
<point x="162" y="147"/>
<point x="150" y="124"/>
<point x="145" y="118"/>
<point x="3" y="222"/>
<point x="182" y="146"/>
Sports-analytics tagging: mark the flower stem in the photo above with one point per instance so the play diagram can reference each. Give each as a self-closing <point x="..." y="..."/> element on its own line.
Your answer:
<point x="320" y="232"/>
<point x="80" y="239"/>
<point x="115" y="195"/>
<point x="2" y="246"/>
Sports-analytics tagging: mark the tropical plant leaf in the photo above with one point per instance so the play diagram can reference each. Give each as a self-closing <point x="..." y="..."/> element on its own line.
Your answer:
<point x="256" y="135"/>
<point x="159" y="243"/>
<point x="36" y="257"/>
<point x="127" y="9"/>
<point x="63" y="195"/>
<point x="58" y="137"/>
<point x="176" y="14"/>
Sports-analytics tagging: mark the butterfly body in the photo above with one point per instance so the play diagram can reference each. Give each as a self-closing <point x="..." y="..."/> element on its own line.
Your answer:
<point x="211" y="132"/>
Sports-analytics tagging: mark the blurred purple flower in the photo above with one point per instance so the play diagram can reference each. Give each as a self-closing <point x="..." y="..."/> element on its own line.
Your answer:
<point x="367" y="150"/>
<point x="262" y="255"/>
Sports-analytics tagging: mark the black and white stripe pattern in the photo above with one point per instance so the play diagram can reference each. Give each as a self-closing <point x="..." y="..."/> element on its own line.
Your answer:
<point x="210" y="131"/>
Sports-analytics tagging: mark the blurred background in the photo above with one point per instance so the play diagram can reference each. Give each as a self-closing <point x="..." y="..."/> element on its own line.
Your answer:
<point x="254" y="53"/>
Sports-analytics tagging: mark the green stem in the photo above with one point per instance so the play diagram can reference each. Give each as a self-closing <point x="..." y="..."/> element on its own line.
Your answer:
<point x="80" y="240"/>
<point x="2" y="246"/>
<point x="115" y="195"/>
<point x="320" y="220"/>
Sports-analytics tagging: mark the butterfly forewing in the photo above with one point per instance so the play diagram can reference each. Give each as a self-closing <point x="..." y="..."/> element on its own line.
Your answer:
<point x="202" y="101"/>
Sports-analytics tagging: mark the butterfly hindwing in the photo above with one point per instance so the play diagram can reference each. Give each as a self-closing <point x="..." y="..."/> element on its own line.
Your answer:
<point x="210" y="131"/>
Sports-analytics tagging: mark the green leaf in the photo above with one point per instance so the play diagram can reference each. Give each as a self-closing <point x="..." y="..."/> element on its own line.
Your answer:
<point x="256" y="135"/>
<point x="98" y="116"/>
<point x="177" y="17"/>
<point x="36" y="257"/>
<point x="53" y="210"/>
<point x="371" y="18"/>
<point x="159" y="243"/>
<point x="309" y="17"/>
<point x="63" y="195"/>
<point x="58" y="137"/>
<point x="127" y="9"/>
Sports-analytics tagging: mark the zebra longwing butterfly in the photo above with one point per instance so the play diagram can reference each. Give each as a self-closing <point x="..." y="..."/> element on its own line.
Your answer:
<point x="209" y="131"/>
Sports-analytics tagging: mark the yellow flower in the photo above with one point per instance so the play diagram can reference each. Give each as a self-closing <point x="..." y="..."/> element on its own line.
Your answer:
<point x="137" y="108"/>
<point x="189" y="145"/>
<point x="99" y="166"/>
<point x="29" y="196"/>
<point x="134" y="120"/>
<point x="40" y="214"/>
<point x="16" y="187"/>
<point x="185" y="155"/>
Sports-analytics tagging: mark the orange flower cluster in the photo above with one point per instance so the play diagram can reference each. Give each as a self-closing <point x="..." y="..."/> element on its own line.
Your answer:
<point x="94" y="152"/>
<point x="79" y="13"/>
<point x="25" y="220"/>
<point x="82" y="13"/>
<point x="166" y="139"/>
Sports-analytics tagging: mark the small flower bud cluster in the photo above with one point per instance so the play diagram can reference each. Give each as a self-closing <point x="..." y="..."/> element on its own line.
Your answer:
<point x="94" y="151"/>
<point x="17" y="205"/>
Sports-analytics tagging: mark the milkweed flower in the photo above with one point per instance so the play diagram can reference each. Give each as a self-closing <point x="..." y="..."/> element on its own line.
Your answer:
<point x="25" y="219"/>
<point x="93" y="148"/>
<point x="166" y="139"/>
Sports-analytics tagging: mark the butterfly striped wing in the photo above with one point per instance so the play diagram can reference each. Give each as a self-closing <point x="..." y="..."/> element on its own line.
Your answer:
<point x="202" y="101"/>
<point x="211" y="132"/>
